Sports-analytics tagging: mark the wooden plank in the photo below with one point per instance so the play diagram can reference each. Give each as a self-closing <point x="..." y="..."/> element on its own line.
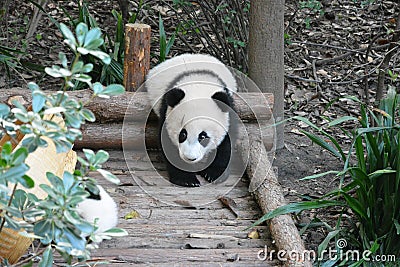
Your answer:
<point x="118" y="263"/>
<point x="194" y="214"/>
<point x="164" y="235"/>
<point x="168" y="257"/>
<point x="168" y="240"/>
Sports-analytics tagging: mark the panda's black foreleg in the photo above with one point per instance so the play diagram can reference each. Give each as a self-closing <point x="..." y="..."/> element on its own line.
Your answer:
<point x="180" y="177"/>
<point x="219" y="168"/>
<point x="176" y="175"/>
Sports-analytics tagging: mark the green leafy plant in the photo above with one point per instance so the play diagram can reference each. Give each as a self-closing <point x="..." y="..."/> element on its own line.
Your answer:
<point x="287" y="39"/>
<point x="314" y="6"/>
<point x="114" y="47"/>
<point x="372" y="164"/>
<point x="393" y="76"/>
<point x="165" y="46"/>
<point x="54" y="221"/>
<point x="135" y="15"/>
<point x="8" y="59"/>
<point x="367" y="3"/>
<point x="180" y="3"/>
<point x="214" y="27"/>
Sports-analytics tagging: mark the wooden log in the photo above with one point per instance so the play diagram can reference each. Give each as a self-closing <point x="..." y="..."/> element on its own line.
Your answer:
<point x="109" y="135"/>
<point x="265" y="187"/>
<point x="247" y="105"/>
<point x="137" y="55"/>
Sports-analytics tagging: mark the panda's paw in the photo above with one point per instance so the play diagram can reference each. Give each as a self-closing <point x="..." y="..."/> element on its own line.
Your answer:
<point x="187" y="181"/>
<point x="212" y="176"/>
<point x="206" y="176"/>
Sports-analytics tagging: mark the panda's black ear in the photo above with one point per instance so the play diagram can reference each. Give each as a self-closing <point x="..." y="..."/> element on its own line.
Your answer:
<point x="174" y="96"/>
<point x="223" y="101"/>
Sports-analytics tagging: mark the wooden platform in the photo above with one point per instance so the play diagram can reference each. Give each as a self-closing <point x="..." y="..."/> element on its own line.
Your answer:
<point x="166" y="235"/>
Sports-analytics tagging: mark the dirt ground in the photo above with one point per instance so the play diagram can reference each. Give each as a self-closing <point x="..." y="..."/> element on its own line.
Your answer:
<point x="344" y="26"/>
<point x="300" y="158"/>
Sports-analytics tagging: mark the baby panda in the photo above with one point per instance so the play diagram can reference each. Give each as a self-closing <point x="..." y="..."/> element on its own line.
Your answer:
<point x="99" y="207"/>
<point x="192" y="96"/>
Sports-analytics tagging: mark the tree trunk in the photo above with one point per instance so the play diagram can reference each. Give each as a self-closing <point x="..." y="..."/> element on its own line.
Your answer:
<point x="266" y="67"/>
<point x="124" y="6"/>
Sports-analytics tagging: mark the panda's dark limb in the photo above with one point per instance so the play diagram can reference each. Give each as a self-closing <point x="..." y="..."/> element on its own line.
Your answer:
<point x="219" y="168"/>
<point x="176" y="176"/>
<point x="182" y="178"/>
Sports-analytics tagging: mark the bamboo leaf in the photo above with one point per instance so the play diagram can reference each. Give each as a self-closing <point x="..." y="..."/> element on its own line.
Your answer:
<point x="397" y="225"/>
<point x="163" y="40"/>
<point x="321" y="142"/>
<point x="378" y="173"/>
<point x="360" y="153"/>
<point x="297" y="207"/>
<point x="341" y="120"/>
<point x="324" y="244"/>
<point x="355" y="206"/>
<point x="319" y="175"/>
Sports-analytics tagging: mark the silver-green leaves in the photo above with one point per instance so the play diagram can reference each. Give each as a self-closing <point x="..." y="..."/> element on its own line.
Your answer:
<point x="54" y="221"/>
<point x="94" y="162"/>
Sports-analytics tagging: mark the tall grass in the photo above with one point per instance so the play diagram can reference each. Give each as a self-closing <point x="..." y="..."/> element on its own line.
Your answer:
<point x="372" y="165"/>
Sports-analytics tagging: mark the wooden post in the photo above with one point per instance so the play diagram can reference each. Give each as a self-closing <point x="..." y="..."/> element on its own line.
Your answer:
<point x="137" y="55"/>
<point x="266" y="49"/>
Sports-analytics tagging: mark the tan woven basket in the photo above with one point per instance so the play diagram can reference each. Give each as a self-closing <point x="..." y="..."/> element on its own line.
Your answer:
<point x="13" y="245"/>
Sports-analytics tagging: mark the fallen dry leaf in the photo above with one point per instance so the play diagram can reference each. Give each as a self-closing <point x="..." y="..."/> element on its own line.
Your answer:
<point x="254" y="234"/>
<point x="230" y="204"/>
<point x="132" y="215"/>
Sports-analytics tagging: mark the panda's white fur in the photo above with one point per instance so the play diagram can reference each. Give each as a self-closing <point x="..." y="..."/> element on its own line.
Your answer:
<point x="103" y="211"/>
<point x="197" y="110"/>
<point x="161" y="76"/>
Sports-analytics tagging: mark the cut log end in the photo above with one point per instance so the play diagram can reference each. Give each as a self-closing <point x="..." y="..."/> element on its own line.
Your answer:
<point x="137" y="26"/>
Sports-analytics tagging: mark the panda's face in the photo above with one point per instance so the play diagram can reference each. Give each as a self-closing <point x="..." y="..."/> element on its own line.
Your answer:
<point x="195" y="125"/>
<point x="197" y="138"/>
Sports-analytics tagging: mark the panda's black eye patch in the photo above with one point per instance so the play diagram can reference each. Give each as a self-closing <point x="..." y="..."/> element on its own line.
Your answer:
<point x="182" y="136"/>
<point x="204" y="139"/>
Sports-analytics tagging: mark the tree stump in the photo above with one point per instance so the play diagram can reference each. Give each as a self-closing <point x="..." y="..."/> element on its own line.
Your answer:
<point x="137" y="55"/>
